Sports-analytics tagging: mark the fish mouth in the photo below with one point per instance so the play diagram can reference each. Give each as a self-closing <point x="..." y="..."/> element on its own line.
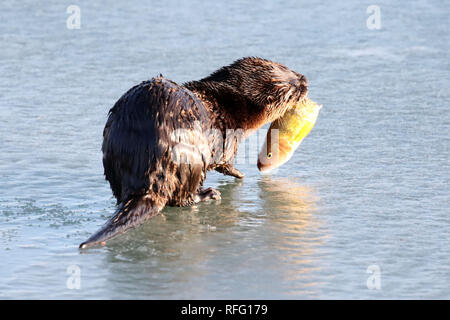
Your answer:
<point x="263" y="168"/>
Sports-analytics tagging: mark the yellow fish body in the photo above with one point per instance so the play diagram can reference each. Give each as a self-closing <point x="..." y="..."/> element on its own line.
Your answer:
<point x="286" y="133"/>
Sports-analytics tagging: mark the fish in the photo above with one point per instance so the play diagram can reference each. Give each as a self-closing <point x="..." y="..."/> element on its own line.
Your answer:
<point x="287" y="133"/>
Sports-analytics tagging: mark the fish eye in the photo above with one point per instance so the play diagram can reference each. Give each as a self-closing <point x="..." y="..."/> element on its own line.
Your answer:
<point x="269" y="155"/>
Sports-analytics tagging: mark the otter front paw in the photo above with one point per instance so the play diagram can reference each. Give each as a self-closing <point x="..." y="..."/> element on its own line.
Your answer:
<point x="229" y="170"/>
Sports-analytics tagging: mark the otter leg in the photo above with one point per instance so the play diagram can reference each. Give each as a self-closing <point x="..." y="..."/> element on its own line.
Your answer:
<point x="229" y="170"/>
<point x="207" y="194"/>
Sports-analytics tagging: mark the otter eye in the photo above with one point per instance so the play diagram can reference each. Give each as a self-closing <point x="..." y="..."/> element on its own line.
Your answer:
<point x="269" y="155"/>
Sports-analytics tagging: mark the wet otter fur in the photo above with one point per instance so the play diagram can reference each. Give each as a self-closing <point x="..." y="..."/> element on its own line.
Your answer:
<point x="158" y="121"/>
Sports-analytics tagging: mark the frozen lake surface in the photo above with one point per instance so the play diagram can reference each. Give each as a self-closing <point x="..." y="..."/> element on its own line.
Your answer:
<point x="368" y="188"/>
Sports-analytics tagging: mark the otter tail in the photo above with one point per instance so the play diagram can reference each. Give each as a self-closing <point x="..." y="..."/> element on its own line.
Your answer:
<point x="128" y="215"/>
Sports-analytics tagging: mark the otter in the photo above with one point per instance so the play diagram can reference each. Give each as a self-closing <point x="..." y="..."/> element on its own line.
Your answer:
<point x="157" y="123"/>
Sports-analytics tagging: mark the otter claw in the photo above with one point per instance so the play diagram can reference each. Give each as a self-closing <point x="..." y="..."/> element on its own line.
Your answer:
<point x="207" y="194"/>
<point x="230" y="171"/>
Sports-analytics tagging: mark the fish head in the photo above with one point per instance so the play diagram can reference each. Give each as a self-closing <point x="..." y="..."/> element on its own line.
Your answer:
<point x="286" y="134"/>
<point x="276" y="151"/>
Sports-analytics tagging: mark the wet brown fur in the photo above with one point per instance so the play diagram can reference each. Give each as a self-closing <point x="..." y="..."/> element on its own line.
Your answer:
<point x="138" y="143"/>
<point x="249" y="93"/>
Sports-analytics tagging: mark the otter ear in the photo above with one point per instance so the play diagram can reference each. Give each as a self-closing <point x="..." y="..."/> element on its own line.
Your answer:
<point x="301" y="84"/>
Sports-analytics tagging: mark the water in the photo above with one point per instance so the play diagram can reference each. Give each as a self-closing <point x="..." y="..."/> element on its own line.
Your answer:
<point x="368" y="187"/>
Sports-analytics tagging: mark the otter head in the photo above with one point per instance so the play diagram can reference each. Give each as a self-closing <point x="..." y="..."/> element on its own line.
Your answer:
<point x="271" y="88"/>
<point x="252" y="91"/>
